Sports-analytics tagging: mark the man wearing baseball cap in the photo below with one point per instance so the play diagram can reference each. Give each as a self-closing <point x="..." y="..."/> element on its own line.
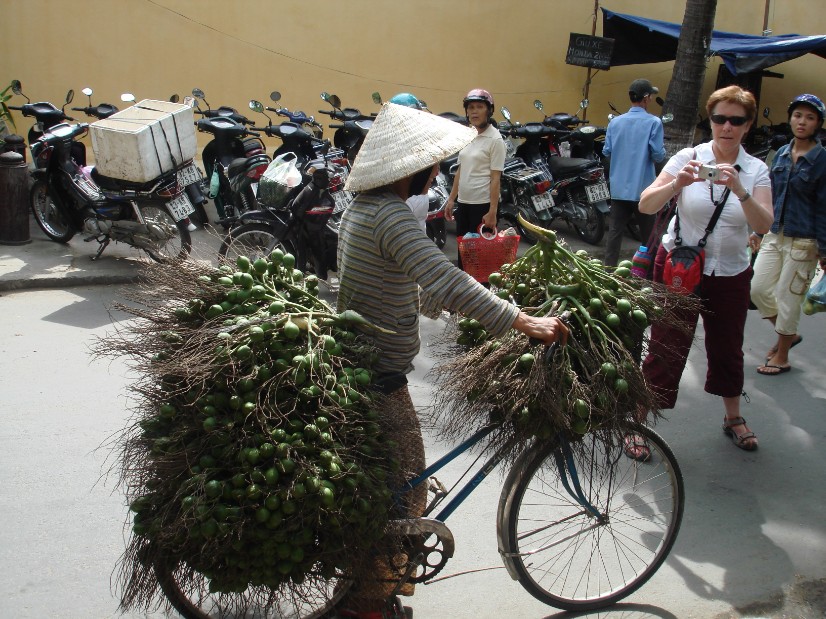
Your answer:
<point x="634" y="141"/>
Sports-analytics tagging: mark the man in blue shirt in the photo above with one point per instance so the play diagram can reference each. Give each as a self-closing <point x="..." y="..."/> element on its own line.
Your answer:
<point x="634" y="141"/>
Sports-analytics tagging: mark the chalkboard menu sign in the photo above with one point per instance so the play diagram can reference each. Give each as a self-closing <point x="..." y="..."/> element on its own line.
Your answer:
<point x="588" y="51"/>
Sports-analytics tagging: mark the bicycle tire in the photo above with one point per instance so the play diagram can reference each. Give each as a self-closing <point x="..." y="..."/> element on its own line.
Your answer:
<point x="253" y="240"/>
<point x="199" y="603"/>
<point x="557" y="550"/>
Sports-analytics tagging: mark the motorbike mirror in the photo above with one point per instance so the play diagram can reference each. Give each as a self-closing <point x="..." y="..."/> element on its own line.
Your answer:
<point x="423" y="103"/>
<point x="506" y="113"/>
<point x="334" y="101"/>
<point x="275" y="96"/>
<point x="584" y="104"/>
<point x="659" y="101"/>
<point x="174" y="98"/>
<point x="198" y="93"/>
<point x="538" y="105"/>
<point x="256" y="106"/>
<point x="377" y="98"/>
<point x="325" y="96"/>
<point x="667" y="118"/>
<point x="16" y="87"/>
<point x="70" y="96"/>
<point x="87" y="91"/>
<point x="127" y="97"/>
<point x="766" y="112"/>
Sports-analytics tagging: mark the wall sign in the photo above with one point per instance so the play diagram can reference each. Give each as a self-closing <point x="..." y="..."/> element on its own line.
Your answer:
<point x="588" y="51"/>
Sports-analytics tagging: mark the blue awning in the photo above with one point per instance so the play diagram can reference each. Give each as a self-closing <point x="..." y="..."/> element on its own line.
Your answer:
<point x="638" y="40"/>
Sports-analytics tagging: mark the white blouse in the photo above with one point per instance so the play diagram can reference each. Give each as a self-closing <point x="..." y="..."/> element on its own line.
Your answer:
<point x="726" y="246"/>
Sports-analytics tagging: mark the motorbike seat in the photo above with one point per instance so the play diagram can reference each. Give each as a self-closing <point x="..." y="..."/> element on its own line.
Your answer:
<point x="567" y="166"/>
<point x="236" y="166"/>
<point x="119" y="184"/>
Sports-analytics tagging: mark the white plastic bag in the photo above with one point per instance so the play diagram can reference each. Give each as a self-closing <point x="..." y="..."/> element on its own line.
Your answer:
<point x="280" y="176"/>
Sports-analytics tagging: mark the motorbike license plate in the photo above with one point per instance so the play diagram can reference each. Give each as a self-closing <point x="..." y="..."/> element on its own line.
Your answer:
<point x="543" y="201"/>
<point x="597" y="192"/>
<point x="180" y="207"/>
<point x="189" y="175"/>
<point x="342" y="199"/>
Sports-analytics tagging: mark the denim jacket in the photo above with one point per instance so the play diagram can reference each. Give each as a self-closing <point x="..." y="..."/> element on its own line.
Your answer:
<point x="799" y="195"/>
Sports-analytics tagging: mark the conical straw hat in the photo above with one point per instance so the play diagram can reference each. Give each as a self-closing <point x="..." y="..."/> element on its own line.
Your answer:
<point x="401" y="142"/>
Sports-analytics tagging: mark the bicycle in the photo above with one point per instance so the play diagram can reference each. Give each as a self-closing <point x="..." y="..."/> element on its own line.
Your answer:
<point x="580" y="526"/>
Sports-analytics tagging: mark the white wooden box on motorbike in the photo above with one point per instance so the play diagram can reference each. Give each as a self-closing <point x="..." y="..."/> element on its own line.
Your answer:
<point x="142" y="142"/>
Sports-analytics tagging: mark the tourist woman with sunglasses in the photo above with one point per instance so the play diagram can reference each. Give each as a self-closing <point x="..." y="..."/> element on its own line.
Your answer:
<point x="741" y="185"/>
<point x="789" y="253"/>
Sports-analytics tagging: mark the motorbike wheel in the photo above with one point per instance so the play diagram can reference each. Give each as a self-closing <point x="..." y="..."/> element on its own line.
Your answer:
<point x="253" y="240"/>
<point x="173" y="241"/>
<point x="51" y="217"/>
<point x="436" y="232"/>
<point x="593" y="228"/>
<point x="315" y="600"/>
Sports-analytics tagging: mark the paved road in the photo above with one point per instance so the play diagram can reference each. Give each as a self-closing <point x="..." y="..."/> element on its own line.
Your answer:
<point x="753" y="542"/>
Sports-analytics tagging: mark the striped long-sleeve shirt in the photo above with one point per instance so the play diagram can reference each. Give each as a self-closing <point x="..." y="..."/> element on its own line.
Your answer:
<point x="382" y="256"/>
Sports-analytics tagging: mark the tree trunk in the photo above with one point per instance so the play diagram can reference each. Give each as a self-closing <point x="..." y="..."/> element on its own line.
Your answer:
<point x="683" y="98"/>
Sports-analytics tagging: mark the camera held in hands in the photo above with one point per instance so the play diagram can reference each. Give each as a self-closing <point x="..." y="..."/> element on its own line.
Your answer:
<point x="708" y="172"/>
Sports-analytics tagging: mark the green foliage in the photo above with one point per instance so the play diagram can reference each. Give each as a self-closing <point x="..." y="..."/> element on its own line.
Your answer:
<point x="6" y="119"/>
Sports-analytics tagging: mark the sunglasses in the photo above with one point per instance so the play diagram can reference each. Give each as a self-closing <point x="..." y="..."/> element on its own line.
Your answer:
<point x="735" y="121"/>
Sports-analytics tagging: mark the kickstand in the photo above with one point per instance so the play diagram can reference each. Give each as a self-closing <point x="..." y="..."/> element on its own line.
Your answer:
<point x="103" y="244"/>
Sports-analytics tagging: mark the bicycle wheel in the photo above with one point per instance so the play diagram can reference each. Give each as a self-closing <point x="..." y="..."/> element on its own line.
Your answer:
<point x="253" y="240"/>
<point x="566" y="557"/>
<point x="316" y="599"/>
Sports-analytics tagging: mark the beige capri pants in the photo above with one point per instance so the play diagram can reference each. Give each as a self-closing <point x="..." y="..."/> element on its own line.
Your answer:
<point x="783" y="272"/>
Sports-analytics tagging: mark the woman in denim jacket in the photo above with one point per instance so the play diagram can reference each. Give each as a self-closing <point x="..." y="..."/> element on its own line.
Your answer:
<point x="789" y="252"/>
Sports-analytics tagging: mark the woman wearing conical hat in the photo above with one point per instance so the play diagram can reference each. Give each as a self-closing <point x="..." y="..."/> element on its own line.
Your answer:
<point x="384" y="257"/>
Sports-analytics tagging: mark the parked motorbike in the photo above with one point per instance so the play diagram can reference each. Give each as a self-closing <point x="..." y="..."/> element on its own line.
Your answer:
<point x="298" y="117"/>
<point x="68" y="197"/>
<point x="578" y="192"/>
<point x="764" y="141"/>
<point x="299" y="227"/>
<point x="234" y="159"/>
<point x="585" y="141"/>
<point x="46" y="116"/>
<point x="351" y="128"/>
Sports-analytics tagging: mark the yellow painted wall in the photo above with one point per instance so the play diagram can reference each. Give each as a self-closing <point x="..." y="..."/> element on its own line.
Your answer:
<point x="236" y="50"/>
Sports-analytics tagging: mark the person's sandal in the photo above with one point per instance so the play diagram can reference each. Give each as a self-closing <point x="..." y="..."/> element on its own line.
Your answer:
<point x="746" y="441"/>
<point x="636" y="448"/>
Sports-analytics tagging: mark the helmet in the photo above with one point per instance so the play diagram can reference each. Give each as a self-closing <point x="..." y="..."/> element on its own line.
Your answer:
<point x="810" y="100"/>
<point x="408" y="100"/>
<point x="478" y="94"/>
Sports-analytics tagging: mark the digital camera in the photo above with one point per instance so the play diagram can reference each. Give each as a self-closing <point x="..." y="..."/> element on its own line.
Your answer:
<point x="709" y="172"/>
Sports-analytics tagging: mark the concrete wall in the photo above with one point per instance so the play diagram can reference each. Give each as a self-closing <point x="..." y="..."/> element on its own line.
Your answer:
<point x="438" y="49"/>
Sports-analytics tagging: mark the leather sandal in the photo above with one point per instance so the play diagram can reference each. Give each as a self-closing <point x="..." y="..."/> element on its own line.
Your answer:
<point x="740" y="440"/>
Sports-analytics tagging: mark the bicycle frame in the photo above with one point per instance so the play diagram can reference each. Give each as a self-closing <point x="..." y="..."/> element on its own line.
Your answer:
<point x="564" y="462"/>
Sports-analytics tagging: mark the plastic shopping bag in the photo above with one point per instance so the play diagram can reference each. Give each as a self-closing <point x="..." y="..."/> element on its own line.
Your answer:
<point x="816" y="297"/>
<point x="280" y="177"/>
